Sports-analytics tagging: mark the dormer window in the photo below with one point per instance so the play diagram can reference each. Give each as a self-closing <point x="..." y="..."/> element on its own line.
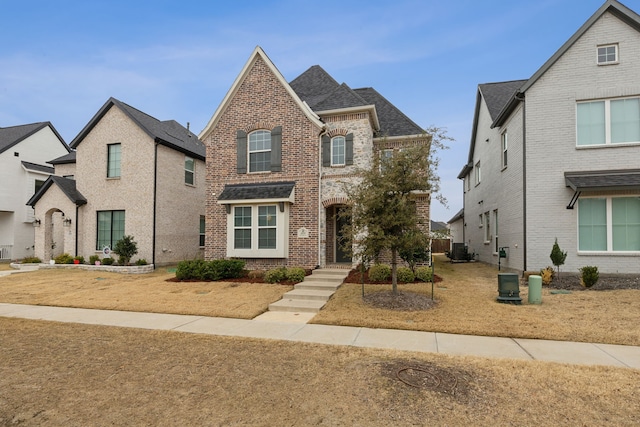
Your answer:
<point x="608" y="54"/>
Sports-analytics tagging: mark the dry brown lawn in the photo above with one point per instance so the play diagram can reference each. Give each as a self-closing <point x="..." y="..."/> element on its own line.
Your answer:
<point x="145" y="292"/>
<point x="466" y="304"/>
<point x="54" y="374"/>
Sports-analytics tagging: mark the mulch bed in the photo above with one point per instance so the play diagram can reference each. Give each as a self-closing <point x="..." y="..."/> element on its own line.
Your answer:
<point x="606" y="282"/>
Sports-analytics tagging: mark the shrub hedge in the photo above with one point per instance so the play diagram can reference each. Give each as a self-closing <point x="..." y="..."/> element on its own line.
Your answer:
<point x="217" y="269"/>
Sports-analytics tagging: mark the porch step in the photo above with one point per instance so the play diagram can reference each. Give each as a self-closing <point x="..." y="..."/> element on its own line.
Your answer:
<point x="312" y="294"/>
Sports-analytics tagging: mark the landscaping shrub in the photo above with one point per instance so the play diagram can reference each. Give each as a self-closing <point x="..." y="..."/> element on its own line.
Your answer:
<point x="275" y="275"/>
<point x="141" y="261"/>
<point x="79" y="258"/>
<point x="405" y="275"/>
<point x="590" y="275"/>
<point x="547" y="275"/>
<point x="125" y="248"/>
<point x="255" y="274"/>
<point x="93" y="259"/>
<point x="379" y="272"/>
<point x="107" y="261"/>
<point x="31" y="260"/>
<point x="217" y="269"/>
<point x="558" y="256"/>
<point x="64" y="259"/>
<point x="424" y="274"/>
<point x="295" y="274"/>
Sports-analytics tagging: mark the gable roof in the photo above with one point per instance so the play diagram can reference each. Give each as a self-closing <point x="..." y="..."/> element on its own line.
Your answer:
<point x="258" y="53"/>
<point x="168" y="133"/>
<point x="614" y="7"/>
<point x="11" y="136"/>
<point x="66" y="185"/>
<point x="314" y="85"/>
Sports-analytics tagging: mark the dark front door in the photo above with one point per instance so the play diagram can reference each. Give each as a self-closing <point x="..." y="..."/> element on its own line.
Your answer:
<point x="341" y="254"/>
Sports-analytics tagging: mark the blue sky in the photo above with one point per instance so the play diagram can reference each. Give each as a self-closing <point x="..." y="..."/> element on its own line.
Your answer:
<point x="61" y="60"/>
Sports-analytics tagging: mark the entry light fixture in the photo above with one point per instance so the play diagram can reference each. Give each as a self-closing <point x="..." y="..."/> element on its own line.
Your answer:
<point x="36" y="222"/>
<point x="66" y="222"/>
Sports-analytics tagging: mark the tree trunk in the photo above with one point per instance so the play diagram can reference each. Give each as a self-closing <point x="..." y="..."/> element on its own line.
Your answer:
<point x="394" y="271"/>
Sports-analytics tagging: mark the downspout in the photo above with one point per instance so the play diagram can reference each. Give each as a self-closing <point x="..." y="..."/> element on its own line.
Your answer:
<point x="520" y="97"/>
<point x="155" y="197"/>
<point x="320" y="208"/>
<point x="77" y="209"/>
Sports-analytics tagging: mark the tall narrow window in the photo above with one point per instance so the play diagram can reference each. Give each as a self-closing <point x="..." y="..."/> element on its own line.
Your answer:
<point x="478" y="173"/>
<point x="202" y="230"/>
<point x="113" y="160"/>
<point x="260" y="151"/>
<point x="267" y="227"/>
<point x="242" y="227"/>
<point x="504" y="149"/>
<point x="110" y="228"/>
<point x="496" y="248"/>
<point x="592" y="224"/>
<point x="487" y="227"/>
<point x="189" y="170"/>
<point x="625" y="213"/>
<point x="338" y="151"/>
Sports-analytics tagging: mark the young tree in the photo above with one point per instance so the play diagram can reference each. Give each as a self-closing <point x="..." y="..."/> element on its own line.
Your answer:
<point x="125" y="248"/>
<point x="557" y="256"/>
<point x="383" y="210"/>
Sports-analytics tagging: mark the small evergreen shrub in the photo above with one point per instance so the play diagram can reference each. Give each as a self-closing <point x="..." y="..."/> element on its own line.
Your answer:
<point x="295" y="274"/>
<point x="590" y="275"/>
<point x="547" y="275"/>
<point x="64" y="259"/>
<point x="31" y="260"/>
<point x="107" y="261"/>
<point x="93" y="259"/>
<point x="275" y="275"/>
<point x="405" y="275"/>
<point x="379" y="272"/>
<point x="141" y="261"/>
<point x="558" y="256"/>
<point x="424" y="274"/>
<point x="126" y="248"/>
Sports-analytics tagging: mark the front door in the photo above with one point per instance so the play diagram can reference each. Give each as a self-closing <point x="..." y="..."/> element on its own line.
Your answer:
<point x="341" y="254"/>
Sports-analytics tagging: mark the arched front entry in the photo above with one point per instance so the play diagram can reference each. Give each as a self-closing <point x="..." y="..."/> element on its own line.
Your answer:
<point x="54" y="235"/>
<point x="336" y="220"/>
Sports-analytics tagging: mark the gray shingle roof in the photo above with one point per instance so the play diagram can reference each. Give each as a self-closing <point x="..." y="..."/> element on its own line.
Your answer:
<point x="271" y="190"/>
<point x="606" y="180"/>
<point x="321" y="92"/>
<point x="66" y="185"/>
<point x="67" y="158"/>
<point x="497" y="95"/>
<point x="37" y="168"/>
<point x="169" y="133"/>
<point x="457" y="216"/>
<point x="13" y="135"/>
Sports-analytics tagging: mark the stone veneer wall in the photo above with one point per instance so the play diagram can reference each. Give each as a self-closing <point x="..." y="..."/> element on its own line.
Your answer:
<point x="262" y="102"/>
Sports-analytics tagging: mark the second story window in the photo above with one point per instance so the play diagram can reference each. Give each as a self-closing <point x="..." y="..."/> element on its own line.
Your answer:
<point x="114" y="152"/>
<point x="504" y="149"/>
<point x="609" y="121"/>
<point x="338" y="151"/>
<point x="260" y="151"/>
<point x="608" y="54"/>
<point x="478" y="173"/>
<point x="189" y="171"/>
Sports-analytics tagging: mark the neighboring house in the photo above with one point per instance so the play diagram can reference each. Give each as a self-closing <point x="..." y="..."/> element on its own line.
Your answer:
<point x="456" y="228"/>
<point x="24" y="151"/>
<point x="558" y="155"/>
<point x="130" y="174"/>
<point x="277" y="156"/>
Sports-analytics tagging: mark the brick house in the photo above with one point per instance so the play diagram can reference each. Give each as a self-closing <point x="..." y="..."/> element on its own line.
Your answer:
<point x="277" y="155"/>
<point x="130" y="174"/>
<point x="557" y="155"/>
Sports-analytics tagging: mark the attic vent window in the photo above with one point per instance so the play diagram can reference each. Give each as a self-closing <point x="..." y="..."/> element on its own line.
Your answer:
<point x="608" y="54"/>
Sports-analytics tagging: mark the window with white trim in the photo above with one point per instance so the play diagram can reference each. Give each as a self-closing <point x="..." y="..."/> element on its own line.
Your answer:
<point x="496" y="248"/>
<point x="258" y="231"/>
<point x="609" y="224"/>
<point x="477" y="172"/>
<point x="260" y="151"/>
<point x="609" y="121"/>
<point x="189" y="170"/>
<point x="338" y="151"/>
<point x="608" y="54"/>
<point x="481" y="220"/>
<point x="504" y="140"/>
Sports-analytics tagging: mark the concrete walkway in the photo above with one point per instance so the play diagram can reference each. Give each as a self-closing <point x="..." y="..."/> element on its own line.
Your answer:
<point x="432" y="342"/>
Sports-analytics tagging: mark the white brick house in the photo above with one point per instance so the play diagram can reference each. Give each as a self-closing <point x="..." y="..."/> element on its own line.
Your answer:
<point x="558" y="155"/>
<point x="130" y="174"/>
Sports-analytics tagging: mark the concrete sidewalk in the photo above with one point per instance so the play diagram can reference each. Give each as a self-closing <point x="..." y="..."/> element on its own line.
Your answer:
<point x="432" y="342"/>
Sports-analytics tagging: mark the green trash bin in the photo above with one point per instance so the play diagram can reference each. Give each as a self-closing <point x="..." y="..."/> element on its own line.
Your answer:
<point x="535" y="289"/>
